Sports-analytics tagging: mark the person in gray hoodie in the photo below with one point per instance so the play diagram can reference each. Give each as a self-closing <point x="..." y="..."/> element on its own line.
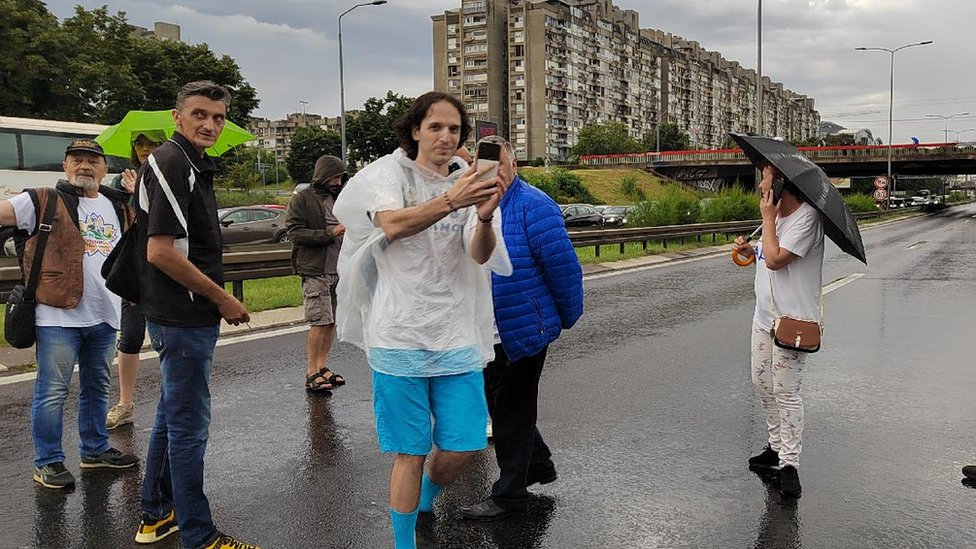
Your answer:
<point x="316" y="236"/>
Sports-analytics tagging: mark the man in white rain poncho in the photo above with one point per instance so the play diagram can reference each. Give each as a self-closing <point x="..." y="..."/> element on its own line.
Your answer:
<point x="414" y="293"/>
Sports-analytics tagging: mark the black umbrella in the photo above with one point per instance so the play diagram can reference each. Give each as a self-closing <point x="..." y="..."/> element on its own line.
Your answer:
<point x="839" y="223"/>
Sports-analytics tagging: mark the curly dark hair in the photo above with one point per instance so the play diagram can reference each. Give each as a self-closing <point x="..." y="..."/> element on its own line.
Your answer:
<point x="415" y="115"/>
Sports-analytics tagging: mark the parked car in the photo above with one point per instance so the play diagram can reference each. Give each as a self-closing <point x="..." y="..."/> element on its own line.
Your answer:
<point x="601" y="207"/>
<point x="252" y="225"/>
<point x="274" y="206"/>
<point x="616" y="216"/>
<point x="581" y="215"/>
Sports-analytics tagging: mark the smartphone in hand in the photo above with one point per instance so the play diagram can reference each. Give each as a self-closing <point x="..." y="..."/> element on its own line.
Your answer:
<point x="488" y="154"/>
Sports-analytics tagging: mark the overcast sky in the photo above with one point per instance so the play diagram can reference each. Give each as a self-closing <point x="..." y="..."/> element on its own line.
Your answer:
<point x="287" y="49"/>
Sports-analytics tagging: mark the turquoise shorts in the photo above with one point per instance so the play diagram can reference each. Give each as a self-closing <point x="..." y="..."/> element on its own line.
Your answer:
<point x="414" y="412"/>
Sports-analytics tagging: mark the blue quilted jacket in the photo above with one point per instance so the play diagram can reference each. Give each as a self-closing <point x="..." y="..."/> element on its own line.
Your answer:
<point x="544" y="295"/>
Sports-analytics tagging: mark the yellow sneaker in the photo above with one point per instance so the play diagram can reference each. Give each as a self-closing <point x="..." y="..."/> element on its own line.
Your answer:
<point x="119" y="415"/>
<point x="151" y="530"/>
<point x="224" y="541"/>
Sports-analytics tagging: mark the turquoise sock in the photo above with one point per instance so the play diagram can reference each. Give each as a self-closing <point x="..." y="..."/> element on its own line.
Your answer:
<point x="429" y="490"/>
<point x="404" y="529"/>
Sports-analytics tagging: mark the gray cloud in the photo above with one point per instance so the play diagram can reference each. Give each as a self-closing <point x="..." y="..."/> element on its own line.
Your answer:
<point x="288" y="50"/>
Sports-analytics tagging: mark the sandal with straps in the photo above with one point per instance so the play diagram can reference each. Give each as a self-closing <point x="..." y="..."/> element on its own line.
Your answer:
<point x="335" y="379"/>
<point x="314" y="386"/>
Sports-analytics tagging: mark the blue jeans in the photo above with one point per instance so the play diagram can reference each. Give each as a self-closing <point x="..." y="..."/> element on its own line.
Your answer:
<point x="180" y="432"/>
<point x="58" y="350"/>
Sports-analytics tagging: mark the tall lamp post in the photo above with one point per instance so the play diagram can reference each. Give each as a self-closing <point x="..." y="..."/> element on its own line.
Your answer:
<point x="960" y="132"/>
<point x="304" y="105"/>
<point x="946" y="117"/>
<point x="342" y="91"/>
<point x="891" y="93"/>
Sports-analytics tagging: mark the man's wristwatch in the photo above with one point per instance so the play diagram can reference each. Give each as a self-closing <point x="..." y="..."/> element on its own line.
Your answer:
<point x="486" y="220"/>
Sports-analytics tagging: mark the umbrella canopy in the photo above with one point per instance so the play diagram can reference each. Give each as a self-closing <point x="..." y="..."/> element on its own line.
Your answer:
<point x="117" y="139"/>
<point x="839" y="223"/>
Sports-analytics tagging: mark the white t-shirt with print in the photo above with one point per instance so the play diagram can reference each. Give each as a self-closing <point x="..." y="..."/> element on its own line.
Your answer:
<point x="101" y="231"/>
<point x="797" y="286"/>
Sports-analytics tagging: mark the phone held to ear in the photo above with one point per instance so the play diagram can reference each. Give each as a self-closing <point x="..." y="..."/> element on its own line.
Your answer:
<point x="488" y="154"/>
<point x="778" y="189"/>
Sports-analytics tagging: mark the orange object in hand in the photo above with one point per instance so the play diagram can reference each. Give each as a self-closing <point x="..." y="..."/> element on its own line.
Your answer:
<point x="743" y="261"/>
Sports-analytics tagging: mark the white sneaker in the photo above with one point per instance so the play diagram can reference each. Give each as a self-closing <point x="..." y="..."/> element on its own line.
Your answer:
<point x="119" y="415"/>
<point x="488" y="429"/>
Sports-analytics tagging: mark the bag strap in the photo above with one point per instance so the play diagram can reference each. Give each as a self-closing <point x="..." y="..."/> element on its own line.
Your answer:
<point x="44" y="228"/>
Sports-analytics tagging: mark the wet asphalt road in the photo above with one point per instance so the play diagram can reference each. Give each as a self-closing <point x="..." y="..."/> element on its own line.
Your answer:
<point x="646" y="404"/>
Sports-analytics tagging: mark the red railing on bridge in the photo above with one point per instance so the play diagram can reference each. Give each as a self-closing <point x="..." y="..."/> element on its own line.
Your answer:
<point x="843" y="151"/>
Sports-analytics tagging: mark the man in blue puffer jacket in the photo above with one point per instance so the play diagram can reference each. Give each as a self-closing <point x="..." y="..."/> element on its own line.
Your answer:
<point x="543" y="296"/>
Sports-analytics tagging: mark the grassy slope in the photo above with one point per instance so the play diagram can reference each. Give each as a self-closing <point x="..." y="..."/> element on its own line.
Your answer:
<point x="605" y="184"/>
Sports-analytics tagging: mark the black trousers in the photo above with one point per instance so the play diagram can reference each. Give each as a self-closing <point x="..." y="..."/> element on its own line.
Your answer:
<point x="513" y="400"/>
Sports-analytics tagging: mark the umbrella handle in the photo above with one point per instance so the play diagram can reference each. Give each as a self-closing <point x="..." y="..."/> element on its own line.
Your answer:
<point x="743" y="261"/>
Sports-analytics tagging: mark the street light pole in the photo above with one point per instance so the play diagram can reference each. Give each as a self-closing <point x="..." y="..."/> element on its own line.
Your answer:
<point x="342" y="90"/>
<point x="304" y="103"/>
<point x="891" y="95"/>
<point x="947" y="117"/>
<point x="759" y="103"/>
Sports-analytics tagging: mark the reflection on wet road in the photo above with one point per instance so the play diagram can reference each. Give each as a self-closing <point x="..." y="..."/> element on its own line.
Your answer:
<point x="646" y="404"/>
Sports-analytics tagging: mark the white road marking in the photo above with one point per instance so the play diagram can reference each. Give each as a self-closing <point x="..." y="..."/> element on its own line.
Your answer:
<point x="841" y="282"/>
<point x="230" y="340"/>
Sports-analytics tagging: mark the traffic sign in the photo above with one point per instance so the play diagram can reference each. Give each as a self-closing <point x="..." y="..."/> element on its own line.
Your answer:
<point x="880" y="195"/>
<point x="881" y="182"/>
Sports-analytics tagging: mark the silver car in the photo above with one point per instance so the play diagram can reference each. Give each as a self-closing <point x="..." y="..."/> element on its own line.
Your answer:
<point x="252" y="225"/>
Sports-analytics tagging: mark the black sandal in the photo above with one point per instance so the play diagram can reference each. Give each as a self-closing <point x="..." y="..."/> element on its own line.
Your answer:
<point x="314" y="386"/>
<point x="336" y="380"/>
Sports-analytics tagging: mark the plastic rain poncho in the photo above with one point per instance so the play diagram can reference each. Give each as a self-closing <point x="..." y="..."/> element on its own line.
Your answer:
<point x="419" y="306"/>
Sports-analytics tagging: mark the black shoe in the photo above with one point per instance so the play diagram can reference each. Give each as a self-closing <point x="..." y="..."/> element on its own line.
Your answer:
<point x="540" y="475"/>
<point x="768" y="458"/>
<point x="486" y="510"/>
<point x="54" y="475"/>
<point x="789" y="482"/>
<point x="111" y="459"/>
<point x="969" y="472"/>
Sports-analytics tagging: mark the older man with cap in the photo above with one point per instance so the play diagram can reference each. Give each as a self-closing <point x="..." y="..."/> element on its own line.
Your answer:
<point x="316" y="236"/>
<point x="76" y="316"/>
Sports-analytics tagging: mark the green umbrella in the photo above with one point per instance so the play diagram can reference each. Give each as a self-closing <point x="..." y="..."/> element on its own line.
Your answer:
<point x="117" y="139"/>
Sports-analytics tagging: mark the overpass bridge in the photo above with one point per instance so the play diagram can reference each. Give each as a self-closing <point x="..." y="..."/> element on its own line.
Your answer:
<point x="714" y="169"/>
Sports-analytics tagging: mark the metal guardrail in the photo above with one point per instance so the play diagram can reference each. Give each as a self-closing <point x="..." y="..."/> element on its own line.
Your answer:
<point x="270" y="261"/>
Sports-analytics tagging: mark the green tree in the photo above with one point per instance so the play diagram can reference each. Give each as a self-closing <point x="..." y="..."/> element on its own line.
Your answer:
<point x="307" y="145"/>
<point x="607" y="138"/>
<point x="672" y="139"/>
<point x="369" y="134"/>
<point x="250" y="157"/>
<point x="23" y="64"/>
<point x="89" y="68"/>
<point x="162" y="66"/>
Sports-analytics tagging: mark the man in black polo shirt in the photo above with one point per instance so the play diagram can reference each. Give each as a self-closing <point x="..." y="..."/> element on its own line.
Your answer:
<point x="184" y="300"/>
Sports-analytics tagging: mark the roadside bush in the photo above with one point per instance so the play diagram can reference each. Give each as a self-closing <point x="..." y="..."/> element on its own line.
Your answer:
<point x="732" y="204"/>
<point x="956" y="196"/>
<point x="861" y="203"/>
<point x="676" y="206"/>
<point x="563" y="186"/>
<point x="630" y="188"/>
<point x="232" y="199"/>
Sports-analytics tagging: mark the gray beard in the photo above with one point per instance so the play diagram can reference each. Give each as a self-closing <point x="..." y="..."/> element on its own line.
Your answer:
<point x="90" y="185"/>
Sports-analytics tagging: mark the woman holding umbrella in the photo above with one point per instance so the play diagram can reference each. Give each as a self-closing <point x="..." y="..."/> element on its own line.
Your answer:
<point x="789" y="273"/>
<point x="133" y="321"/>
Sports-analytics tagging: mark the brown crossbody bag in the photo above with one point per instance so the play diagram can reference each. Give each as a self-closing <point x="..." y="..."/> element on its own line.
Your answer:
<point x="793" y="333"/>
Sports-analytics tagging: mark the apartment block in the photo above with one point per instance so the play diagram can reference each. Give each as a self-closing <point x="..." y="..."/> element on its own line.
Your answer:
<point x="543" y="69"/>
<point x="275" y="136"/>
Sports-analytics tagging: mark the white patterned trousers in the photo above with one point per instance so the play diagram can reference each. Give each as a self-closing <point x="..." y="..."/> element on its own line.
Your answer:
<point x="777" y="374"/>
